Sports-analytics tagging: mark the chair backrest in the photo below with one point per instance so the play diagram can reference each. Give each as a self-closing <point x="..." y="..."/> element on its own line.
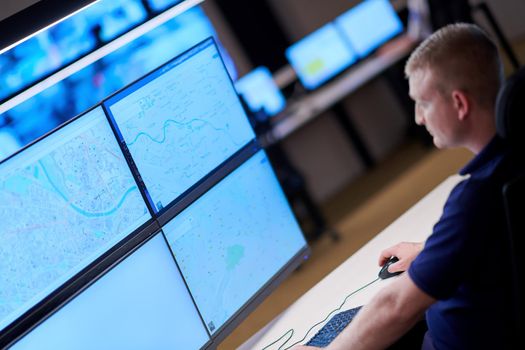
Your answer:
<point x="510" y="123"/>
<point x="510" y="110"/>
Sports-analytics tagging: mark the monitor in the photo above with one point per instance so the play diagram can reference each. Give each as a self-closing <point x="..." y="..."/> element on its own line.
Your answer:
<point x="320" y="56"/>
<point x="369" y="24"/>
<point x="27" y="63"/>
<point x="260" y="92"/>
<point x="180" y="122"/>
<point x="160" y="5"/>
<point x="142" y="303"/>
<point x="115" y="17"/>
<point x="65" y="201"/>
<point x="233" y="240"/>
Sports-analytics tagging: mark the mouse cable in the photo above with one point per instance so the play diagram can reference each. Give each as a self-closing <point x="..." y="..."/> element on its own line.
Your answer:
<point x="291" y="331"/>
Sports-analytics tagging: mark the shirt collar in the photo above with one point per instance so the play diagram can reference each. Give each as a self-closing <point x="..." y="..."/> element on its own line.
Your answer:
<point x="487" y="156"/>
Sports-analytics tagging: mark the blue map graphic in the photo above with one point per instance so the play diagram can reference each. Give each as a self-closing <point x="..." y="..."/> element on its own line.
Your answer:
<point x="63" y="202"/>
<point x="182" y="124"/>
<point x="233" y="239"/>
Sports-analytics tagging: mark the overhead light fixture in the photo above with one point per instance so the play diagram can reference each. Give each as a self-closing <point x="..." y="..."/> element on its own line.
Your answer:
<point x="97" y="54"/>
<point x="29" y="21"/>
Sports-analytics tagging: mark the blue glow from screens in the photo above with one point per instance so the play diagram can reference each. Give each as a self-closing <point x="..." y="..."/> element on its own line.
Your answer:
<point x="66" y="42"/>
<point x="40" y="114"/>
<point x="320" y="56"/>
<point x="159" y="5"/>
<point x="369" y="24"/>
<point x="181" y="122"/>
<point x="65" y="200"/>
<point x="142" y="303"/>
<point x="115" y="17"/>
<point x="260" y="91"/>
<point x="239" y="234"/>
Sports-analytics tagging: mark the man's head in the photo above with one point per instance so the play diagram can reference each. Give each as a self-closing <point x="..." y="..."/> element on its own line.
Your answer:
<point x="454" y="78"/>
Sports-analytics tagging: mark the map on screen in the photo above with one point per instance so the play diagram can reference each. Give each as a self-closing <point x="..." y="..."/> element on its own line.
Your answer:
<point x="234" y="239"/>
<point x="64" y="201"/>
<point x="181" y="122"/>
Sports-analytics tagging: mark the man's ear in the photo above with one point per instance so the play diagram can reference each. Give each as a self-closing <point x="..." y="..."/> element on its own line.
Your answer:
<point x="461" y="104"/>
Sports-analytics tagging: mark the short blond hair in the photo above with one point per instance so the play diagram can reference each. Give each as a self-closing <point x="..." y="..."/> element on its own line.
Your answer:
<point x="461" y="56"/>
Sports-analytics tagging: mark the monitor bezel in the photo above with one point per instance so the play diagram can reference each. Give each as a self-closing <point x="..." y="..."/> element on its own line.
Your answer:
<point x="144" y="80"/>
<point x="105" y="267"/>
<point x="96" y="269"/>
<point x="273" y="282"/>
<point x="34" y="314"/>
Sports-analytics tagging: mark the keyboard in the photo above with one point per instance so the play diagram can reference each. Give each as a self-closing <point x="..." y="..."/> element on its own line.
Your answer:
<point x="331" y="329"/>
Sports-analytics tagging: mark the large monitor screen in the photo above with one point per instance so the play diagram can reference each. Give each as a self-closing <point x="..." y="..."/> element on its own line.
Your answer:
<point x="260" y="91"/>
<point x="50" y="50"/>
<point x="369" y="24"/>
<point x="159" y="5"/>
<point x="180" y="122"/>
<point x="320" y="56"/>
<point x="67" y="41"/>
<point x="231" y="241"/>
<point x="142" y="303"/>
<point x="64" y="201"/>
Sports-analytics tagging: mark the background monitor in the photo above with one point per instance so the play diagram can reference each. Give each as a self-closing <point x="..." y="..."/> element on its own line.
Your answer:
<point x="320" y="56"/>
<point x="369" y="24"/>
<point x="52" y="49"/>
<point x="159" y="5"/>
<point x="234" y="239"/>
<point x="180" y="122"/>
<point x="142" y="303"/>
<point x="65" y="201"/>
<point x="260" y="91"/>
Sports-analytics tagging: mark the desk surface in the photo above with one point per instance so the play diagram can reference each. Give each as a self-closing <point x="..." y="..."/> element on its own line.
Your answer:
<point x="358" y="270"/>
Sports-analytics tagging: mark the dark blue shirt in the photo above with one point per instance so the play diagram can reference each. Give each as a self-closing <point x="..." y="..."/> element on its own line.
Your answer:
<point x="465" y="262"/>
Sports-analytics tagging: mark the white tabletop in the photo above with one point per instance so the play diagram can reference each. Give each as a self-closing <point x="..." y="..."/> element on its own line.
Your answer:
<point x="361" y="268"/>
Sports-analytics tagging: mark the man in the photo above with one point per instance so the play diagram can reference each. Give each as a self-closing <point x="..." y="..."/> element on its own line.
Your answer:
<point x="424" y="17"/>
<point x="427" y="16"/>
<point x="460" y="276"/>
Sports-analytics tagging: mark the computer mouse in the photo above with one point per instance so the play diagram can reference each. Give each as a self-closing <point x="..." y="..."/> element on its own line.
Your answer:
<point x="383" y="273"/>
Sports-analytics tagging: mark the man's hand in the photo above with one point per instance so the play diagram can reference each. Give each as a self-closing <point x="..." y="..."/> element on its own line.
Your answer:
<point x="406" y="252"/>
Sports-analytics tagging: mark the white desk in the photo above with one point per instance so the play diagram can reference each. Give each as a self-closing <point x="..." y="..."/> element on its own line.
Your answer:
<point x="358" y="270"/>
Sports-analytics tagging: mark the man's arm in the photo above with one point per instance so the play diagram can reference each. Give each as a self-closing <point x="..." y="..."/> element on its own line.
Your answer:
<point x="389" y="315"/>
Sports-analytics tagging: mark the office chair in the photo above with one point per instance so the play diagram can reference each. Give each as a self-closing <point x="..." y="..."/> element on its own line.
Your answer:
<point x="510" y="123"/>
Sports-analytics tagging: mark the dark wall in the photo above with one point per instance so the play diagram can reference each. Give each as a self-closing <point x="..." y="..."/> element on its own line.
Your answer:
<point x="258" y="31"/>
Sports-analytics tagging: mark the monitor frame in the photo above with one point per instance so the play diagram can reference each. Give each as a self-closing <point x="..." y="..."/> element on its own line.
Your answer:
<point x="74" y="285"/>
<point x="144" y="80"/>
<point x="272" y="283"/>
<point x="96" y="269"/>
